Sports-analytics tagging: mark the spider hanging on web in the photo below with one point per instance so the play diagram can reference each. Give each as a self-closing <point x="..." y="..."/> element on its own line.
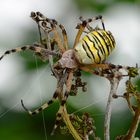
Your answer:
<point x="87" y="54"/>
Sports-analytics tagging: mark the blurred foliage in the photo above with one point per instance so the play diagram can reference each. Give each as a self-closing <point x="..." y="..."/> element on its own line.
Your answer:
<point x="20" y="126"/>
<point x="100" y="5"/>
<point x="31" y="62"/>
<point x="138" y="84"/>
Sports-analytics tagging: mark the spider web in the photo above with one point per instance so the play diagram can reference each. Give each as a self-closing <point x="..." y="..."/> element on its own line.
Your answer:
<point x="38" y="75"/>
<point x="40" y="93"/>
<point x="90" y="105"/>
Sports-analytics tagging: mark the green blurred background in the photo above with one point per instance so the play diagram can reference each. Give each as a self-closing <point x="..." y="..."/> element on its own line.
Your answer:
<point x="25" y="77"/>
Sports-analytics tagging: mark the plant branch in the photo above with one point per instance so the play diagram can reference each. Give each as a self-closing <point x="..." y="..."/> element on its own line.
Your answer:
<point x="114" y="82"/>
<point x="134" y="125"/>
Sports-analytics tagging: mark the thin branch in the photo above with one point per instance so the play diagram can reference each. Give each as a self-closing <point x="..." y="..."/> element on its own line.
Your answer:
<point x="114" y="85"/>
<point x="134" y="125"/>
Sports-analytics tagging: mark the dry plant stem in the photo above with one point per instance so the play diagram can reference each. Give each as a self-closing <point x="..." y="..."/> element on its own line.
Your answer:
<point x="134" y="125"/>
<point x="69" y="125"/>
<point x="114" y="85"/>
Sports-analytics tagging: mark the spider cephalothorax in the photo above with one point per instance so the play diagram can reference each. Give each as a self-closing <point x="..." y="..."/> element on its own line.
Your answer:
<point x="87" y="53"/>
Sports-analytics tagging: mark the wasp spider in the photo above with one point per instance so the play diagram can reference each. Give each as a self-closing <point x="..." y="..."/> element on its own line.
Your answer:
<point x="87" y="53"/>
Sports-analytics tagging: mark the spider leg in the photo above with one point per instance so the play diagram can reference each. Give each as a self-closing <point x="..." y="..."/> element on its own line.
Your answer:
<point x="44" y="106"/>
<point x="64" y="33"/>
<point x="57" y="37"/>
<point x="53" y="24"/>
<point x="84" y="24"/>
<point x="40" y="35"/>
<point x="104" y="70"/>
<point x="24" y="48"/>
<point x="65" y="37"/>
<point x="92" y="71"/>
<point x="81" y="28"/>
<point x="43" y="22"/>
<point x="58" y="120"/>
<point x="87" y="69"/>
<point x="63" y="101"/>
<point x="103" y="25"/>
<point x="68" y="88"/>
<point x="103" y="66"/>
<point x="38" y="49"/>
<point x="94" y="19"/>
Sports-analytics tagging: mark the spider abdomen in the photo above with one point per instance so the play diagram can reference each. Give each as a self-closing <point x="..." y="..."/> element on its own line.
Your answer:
<point x="94" y="47"/>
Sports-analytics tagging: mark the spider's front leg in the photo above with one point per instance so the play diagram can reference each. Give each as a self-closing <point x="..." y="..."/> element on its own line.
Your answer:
<point x="36" y="48"/>
<point x="61" y="46"/>
<point x="50" y="25"/>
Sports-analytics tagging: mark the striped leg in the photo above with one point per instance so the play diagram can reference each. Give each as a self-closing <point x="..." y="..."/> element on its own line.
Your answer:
<point x="38" y="49"/>
<point x="81" y="28"/>
<point x="63" y="101"/>
<point x="20" y="49"/>
<point x="84" y="24"/>
<point x="43" y="22"/>
<point x="65" y="37"/>
<point x="53" y="24"/>
<point x="90" y="70"/>
<point x="44" y="106"/>
<point x="68" y="88"/>
<point x="105" y="70"/>
<point x="40" y="35"/>
<point x="58" y="120"/>
<point x="94" y="19"/>
<point x="57" y="36"/>
<point x="103" y="66"/>
<point x="86" y="69"/>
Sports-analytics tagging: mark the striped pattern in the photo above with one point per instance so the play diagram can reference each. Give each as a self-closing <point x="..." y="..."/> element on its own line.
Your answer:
<point x="38" y="50"/>
<point x="44" y="106"/>
<point x="95" y="47"/>
<point x="24" y="48"/>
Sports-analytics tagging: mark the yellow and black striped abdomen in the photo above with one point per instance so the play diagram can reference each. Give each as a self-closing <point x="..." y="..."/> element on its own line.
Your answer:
<point x="95" y="47"/>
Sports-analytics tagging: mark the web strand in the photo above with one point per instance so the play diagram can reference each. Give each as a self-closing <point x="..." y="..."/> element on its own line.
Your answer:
<point x="25" y="94"/>
<point x="89" y="105"/>
<point x="40" y="93"/>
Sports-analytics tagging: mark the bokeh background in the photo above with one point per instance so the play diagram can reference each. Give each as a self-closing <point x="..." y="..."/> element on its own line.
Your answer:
<point x="23" y="76"/>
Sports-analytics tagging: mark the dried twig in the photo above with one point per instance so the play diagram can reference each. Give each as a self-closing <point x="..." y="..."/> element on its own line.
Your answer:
<point x="114" y="82"/>
<point x="134" y="125"/>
